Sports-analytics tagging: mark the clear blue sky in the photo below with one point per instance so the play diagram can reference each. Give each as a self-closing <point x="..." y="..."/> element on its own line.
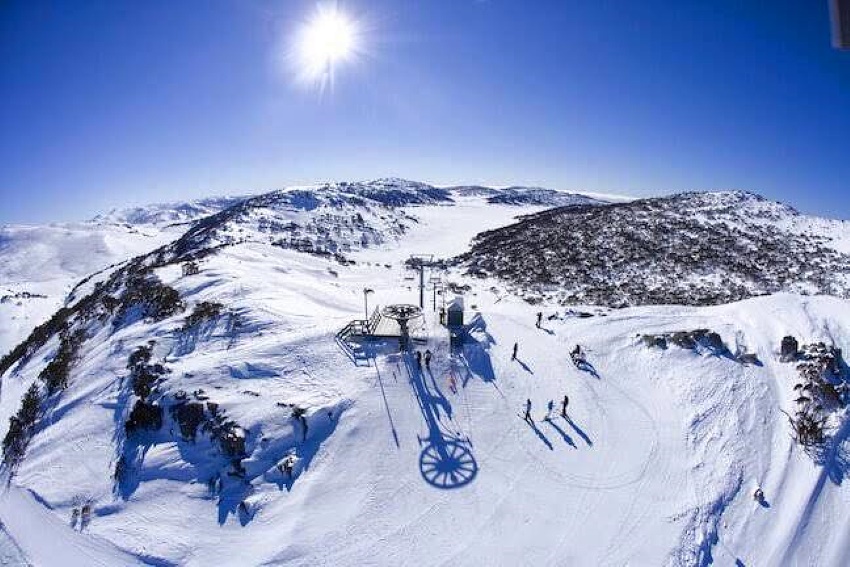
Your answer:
<point x="110" y="103"/>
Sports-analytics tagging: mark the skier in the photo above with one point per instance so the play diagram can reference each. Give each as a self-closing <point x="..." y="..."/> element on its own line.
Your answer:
<point x="516" y="347"/>
<point x="85" y="516"/>
<point x="527" y="416"/>
<point x="577" y="355"/>
<point x="287" y="465"/>
<point x="550" y="408"/>
<point x="428" y="359"/>
<point x="758" y="495"/>
<point x="539" y="319"/>
<point x="564" y="406"/>
<point x="419" y="359"/>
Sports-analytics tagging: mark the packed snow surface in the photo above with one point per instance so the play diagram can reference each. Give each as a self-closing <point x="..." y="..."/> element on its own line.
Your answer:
<point x="655" y="462"/>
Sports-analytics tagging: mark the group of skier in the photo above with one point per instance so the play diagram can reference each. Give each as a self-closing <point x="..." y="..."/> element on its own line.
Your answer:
<point x="578" y="358"/>
<point x="550" y="408"/>
<point x="427" y="357"/>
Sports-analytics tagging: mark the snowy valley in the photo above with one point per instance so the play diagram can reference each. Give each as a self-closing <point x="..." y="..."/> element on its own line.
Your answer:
<point x="176" y="389"/>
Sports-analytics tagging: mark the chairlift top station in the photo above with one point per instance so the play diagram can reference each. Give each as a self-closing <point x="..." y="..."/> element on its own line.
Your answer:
<point x="405" y="321"/>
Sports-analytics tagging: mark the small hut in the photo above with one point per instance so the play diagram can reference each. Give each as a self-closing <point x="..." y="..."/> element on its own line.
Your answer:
<point x="455" y="312"/>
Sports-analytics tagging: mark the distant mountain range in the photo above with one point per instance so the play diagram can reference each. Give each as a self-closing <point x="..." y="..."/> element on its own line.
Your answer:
<point x="389" y="191"/>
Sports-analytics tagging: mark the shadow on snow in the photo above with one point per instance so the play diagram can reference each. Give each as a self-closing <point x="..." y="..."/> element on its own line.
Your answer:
<point x="446" y="460"/>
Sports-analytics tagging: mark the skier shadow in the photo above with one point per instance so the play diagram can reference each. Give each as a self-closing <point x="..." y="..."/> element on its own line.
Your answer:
<point x="446" y="461"/>
<point x="524" y="366"/>
<point x="579" y="431"/>
<point x="567" y="439"/>
<point x="540" y="434"/>
<point x="585" y="366"/>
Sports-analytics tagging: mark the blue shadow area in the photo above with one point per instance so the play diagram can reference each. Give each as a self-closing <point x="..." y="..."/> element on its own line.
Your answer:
<point x="567" y="439"/>
<point x="474" y="354"/>
<point x="446" y="461"/>
<point x="579" y="431"/>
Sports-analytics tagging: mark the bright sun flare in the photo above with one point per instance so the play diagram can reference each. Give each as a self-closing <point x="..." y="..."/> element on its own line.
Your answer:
<point x="330" y="37"/>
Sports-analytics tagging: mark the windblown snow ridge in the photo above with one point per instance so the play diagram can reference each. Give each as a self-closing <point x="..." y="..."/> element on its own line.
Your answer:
<point x="690" y="248"/>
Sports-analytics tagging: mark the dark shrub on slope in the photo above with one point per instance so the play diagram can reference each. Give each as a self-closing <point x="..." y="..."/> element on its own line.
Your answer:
<point x="691" y="248"/>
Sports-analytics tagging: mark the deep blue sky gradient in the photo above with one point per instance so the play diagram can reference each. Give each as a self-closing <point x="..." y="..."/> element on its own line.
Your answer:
<point x="106" y="103"/>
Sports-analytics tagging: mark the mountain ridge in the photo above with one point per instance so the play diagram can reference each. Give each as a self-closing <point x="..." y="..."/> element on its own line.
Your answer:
<point x="689" y="248"/>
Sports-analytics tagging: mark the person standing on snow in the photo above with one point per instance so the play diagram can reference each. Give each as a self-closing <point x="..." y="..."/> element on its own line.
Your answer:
<point x="549" y="409"/>
<point x="539" y="319"/>
<point x="428" y="359"/>
<point x="577" y="355"/>
<point x="564" y="405"/>
<point x="528" y="417"/>
<point x="516" y="347"/>
<point x="419" y="359"/>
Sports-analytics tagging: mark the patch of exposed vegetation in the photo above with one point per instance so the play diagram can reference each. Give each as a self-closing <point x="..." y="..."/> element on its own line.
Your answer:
<point x="190" y="268"/>
<point x="36" y="340"/>
<point x="144" y="416"/>
<point x="696" y="340"/>
<point x="55" y="375"/>
<point x="8" y="298"/>
<point x="144" y="376"/>
<point x="203" y="312"/>
<point x="21" y="427"/>
<point x="147" y="296"/>
<point x="822" y="391"/>
<point x="692" y="249"/>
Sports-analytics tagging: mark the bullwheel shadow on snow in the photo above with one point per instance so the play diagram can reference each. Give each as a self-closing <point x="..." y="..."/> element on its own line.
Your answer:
<point x="446" y="461"/>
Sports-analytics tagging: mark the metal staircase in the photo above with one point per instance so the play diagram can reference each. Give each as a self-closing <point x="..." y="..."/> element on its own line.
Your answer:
<point x="350" y="337"/>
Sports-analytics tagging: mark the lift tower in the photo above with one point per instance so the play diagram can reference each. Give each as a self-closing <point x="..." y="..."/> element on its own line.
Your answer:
<point x="420" y="262"/>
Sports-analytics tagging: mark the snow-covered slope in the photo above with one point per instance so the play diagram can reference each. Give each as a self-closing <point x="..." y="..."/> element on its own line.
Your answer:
<point x="195" y="370"/>
<point x="39" y="265"/>
<point x="167" y="213"/>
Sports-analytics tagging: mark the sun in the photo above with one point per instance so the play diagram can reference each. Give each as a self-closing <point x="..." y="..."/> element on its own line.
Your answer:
<point x="326" y="40"/>
<point x="329" y="37"/>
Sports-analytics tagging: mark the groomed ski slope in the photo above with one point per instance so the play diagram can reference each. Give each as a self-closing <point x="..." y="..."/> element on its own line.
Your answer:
<point x="656" y="464"/>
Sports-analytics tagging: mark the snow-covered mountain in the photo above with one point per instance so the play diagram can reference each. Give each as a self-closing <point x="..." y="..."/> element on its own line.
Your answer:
<point x="167" y="213"/>
<point x="525" y="196"/>
<point x="39" y="265"/>
<point x="691" y="248"/>
<point x="197" y="403"/>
